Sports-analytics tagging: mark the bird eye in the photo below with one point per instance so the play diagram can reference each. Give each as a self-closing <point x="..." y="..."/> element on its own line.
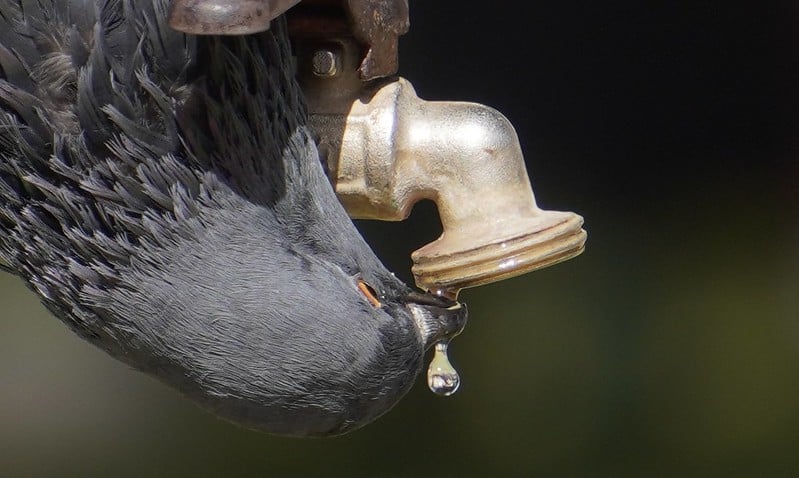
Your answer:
<point x="369" y="293"/>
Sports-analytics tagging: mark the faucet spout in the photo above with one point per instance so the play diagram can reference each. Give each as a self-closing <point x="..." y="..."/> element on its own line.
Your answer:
<point x="397" y="149"/>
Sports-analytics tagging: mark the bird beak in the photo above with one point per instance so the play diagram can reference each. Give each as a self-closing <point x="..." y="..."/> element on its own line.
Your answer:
<point x="436" y="317"/>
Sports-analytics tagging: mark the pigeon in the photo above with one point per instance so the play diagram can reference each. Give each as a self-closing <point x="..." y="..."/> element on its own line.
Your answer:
<point x="163" y="196"/>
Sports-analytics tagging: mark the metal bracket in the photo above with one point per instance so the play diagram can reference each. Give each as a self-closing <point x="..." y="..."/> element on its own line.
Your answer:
<point x="375" y="24"/>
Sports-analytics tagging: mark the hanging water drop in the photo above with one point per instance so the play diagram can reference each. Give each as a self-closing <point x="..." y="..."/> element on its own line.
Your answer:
<point x="442" y="378"/>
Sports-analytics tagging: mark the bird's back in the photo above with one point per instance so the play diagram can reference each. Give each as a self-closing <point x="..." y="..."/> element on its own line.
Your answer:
<point x="82" y="117"/>
<point x="107" y="141"/>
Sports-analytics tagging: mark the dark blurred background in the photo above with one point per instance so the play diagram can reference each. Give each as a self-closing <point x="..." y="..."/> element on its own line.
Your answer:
<point x="669" y="348"/>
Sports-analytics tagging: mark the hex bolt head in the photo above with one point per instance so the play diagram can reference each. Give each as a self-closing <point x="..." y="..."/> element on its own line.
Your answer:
<point x="325" y="63"/>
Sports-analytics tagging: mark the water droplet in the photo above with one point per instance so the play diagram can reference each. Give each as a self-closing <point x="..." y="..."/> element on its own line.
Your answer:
<point x="442" y="378"/>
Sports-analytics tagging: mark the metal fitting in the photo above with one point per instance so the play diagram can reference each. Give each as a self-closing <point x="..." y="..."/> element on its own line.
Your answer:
<point x="326" y="62"/>
<point x="397" y="149"/>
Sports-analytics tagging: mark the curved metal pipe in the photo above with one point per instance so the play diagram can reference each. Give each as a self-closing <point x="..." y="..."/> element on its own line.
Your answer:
<point x="225" y="17"/>
<point x="397" y="149"/>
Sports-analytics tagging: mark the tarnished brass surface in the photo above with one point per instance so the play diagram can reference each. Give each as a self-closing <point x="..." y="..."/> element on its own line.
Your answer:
<point x="397" y="149"/>
<point x="541" y="241"/>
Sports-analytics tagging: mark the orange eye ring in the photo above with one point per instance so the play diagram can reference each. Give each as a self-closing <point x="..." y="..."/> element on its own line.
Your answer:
<point x="369" y="293"/>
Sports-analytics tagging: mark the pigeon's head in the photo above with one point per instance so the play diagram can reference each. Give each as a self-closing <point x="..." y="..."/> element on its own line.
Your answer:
<point x="288" y="332"/>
